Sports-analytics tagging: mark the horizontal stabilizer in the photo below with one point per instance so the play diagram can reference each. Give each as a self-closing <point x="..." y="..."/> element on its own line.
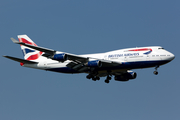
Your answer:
<point x="20" y="60"/>
<point x="14" y="40"/>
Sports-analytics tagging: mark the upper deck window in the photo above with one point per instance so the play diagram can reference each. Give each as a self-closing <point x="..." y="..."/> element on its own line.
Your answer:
<point x="161" y="48"/>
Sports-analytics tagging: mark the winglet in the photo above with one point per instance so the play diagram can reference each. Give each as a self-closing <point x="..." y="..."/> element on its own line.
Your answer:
<point x="15" y="41"/>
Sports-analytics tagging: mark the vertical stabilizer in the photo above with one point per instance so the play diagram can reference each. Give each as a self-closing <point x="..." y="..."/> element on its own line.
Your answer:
<point x="29" y="53"/>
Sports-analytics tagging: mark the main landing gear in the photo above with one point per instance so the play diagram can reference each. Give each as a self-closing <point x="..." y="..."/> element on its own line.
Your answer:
<point x="156" y="72"/>
<point x="107" y="79"/>
<point x="94" y="78"/>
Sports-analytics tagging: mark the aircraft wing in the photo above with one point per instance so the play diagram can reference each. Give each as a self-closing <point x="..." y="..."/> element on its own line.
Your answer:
<point x="78" y="62"/>
<point x="50" y="52"/>
<point x="81" y="67"/>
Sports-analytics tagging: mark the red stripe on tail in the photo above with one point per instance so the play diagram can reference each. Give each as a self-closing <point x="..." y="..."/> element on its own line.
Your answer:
<point x="27" y="42"/>
<point x="35" y="56"/>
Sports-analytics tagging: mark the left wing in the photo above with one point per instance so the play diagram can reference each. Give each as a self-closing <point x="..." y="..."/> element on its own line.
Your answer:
<point x="79" y="63"/>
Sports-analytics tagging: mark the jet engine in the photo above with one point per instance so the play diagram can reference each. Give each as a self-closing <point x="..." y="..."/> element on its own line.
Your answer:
<point x="126" y="76"/>
<point x="60" y="57"/>
<point x="95" y="63"/>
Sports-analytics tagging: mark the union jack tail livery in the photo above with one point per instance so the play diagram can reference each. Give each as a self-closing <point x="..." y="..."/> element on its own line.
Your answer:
<point x="29" y="53"/>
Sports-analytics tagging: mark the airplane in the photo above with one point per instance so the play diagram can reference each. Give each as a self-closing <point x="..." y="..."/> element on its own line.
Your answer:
<point x="117" y="63"/>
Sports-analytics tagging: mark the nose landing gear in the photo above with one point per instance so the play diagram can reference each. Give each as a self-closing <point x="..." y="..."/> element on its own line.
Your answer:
<point x="156" y="72"/>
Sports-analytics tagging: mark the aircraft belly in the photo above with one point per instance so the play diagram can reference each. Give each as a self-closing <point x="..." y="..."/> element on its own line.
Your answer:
<point x="135" y="65"/>
<point x="123" y="66"/>
<point x="63" y="70"/>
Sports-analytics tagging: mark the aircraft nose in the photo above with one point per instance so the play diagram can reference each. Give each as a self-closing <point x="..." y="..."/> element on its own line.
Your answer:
<point x="172" y="56"/>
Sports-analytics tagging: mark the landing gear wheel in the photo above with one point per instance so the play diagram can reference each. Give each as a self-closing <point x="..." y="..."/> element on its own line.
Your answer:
<point x="88" y="76"/>
<point x="97" y="78"/>
<point x="108" y="78"/>
<point x="155" y="72"/>
<point x="106" y="81"/>
<point x="94" y="78"/>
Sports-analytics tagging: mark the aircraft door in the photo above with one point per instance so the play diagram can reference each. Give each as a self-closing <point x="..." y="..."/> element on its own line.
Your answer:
<point x="105" y="57"/>
<point x="43" y="64"/>
<point x="125" y="58"/>
<point x="147" y="57"/>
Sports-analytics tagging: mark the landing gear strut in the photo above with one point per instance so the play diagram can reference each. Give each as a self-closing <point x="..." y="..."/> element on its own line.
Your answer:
<point x="156" y="72"/>
<point x="107" y="79"/>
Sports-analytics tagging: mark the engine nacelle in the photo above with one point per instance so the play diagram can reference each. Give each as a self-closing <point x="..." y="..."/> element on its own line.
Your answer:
<point x="60" y="57"/>
<point x="126" y="76"/>
<point x="95" y="63"/>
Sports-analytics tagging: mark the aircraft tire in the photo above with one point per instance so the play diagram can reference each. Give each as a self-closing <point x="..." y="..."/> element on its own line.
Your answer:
<point x="106" y="81"/>
<point x="94" y="78"/>
<point x="155" y="72"/>
<point x="97" y="78"/>
<point x="88" y="77"/>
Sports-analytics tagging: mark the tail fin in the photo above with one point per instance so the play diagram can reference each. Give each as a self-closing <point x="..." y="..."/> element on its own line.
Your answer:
<point x="29" y="53"/>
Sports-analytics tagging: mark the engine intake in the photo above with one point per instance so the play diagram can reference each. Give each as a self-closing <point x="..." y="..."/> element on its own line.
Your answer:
<point x="95" y="63"/>
<point x="126" y="76"/>
<point x="60" y="57"/>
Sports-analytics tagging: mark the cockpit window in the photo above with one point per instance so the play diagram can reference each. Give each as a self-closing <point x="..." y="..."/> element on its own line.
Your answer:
<point x="161" y="48"/>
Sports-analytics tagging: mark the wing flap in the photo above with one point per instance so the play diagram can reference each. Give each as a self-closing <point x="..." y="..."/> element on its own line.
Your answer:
<point x="77" y="58"/>
<point x="77" y="66"/>
<point x="82" y="68"/>
<point x="107" y="63"/>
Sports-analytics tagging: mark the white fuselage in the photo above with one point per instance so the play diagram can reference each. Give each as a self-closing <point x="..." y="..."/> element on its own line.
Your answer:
<point x="131" y="58"/>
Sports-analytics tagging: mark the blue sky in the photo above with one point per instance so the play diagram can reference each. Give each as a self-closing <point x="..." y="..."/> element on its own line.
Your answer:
<point x="82" y="27"/>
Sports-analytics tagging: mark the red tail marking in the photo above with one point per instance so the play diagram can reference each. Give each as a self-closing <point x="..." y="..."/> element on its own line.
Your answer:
<point x="27" y="42"/>
<point x="35" y="56"/>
